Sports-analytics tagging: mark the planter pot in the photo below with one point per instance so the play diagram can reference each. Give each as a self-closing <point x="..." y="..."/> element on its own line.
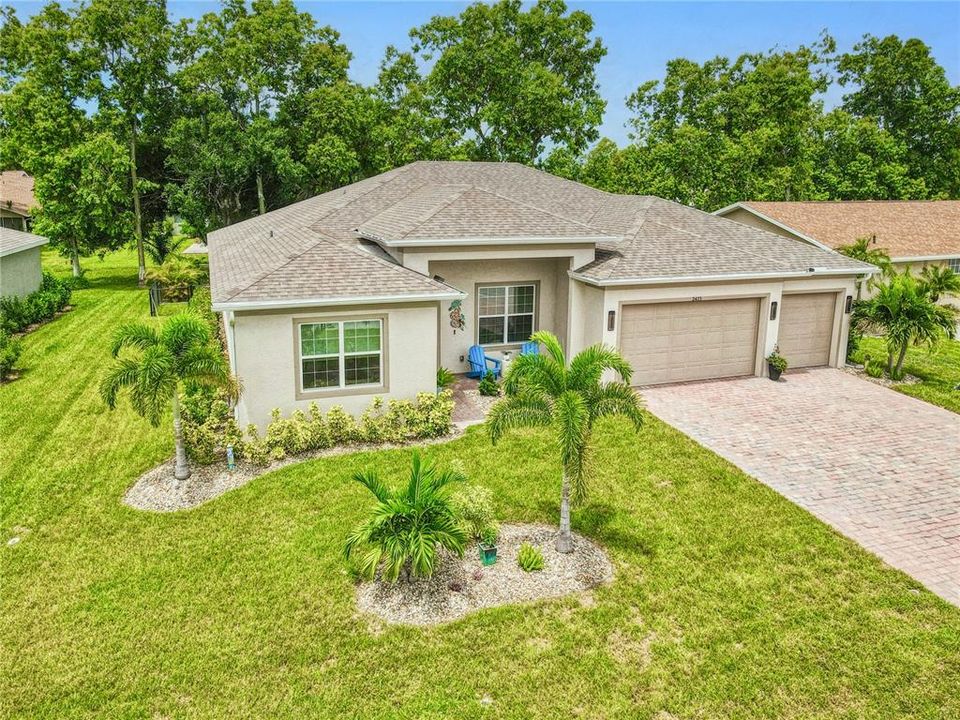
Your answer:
<point x="774" y="372"/>
<point x="488" y="553"/>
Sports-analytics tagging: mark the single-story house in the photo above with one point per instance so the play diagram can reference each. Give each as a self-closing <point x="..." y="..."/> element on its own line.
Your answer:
<point x="16" y="200"/>
<point x="20" y="272"/>
<point x="367" y="290"/>
<point x="914" y="233"/>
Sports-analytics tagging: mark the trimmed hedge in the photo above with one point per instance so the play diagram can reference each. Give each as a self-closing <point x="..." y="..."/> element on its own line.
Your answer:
<point x="10" y="349"/>
<point x="208" y="427"/>
<point x="18" y="313"/>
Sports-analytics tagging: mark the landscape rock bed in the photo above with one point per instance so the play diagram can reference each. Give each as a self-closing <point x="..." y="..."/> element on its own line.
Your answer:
<point x="463" y="585"/>
<point x="158" y="491"/>
<point x="883" y="379"/>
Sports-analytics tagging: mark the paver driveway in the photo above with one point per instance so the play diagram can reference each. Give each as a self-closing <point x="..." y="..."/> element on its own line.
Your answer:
<point x="881" y="467"/>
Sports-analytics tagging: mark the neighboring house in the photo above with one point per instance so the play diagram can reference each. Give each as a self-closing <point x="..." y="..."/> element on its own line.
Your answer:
<point x="19" y="262"/>
<point x="368" y="289"/>
<point x="914" y="233"/>
<point x="16" y="200"/>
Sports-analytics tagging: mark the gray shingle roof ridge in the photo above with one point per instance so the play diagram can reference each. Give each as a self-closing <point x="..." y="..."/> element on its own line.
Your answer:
<point x="421" y="220"/>
<point x="768" y="234"/>
<point x="544" y="211"/>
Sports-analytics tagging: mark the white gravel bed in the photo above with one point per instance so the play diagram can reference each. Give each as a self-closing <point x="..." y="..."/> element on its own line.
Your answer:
<point x="883" y="379"/>
<point x="158" y="491"/>
<point x="463" y="585"/>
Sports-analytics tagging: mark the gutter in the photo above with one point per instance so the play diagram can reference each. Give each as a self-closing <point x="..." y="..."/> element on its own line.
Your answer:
<point x="811" y="272"/>
<point x="323" y="302"/>
<point x="923" y="258"/>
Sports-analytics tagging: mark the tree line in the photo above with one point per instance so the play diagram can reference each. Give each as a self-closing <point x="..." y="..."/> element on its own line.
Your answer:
<point x="126" y="118"/>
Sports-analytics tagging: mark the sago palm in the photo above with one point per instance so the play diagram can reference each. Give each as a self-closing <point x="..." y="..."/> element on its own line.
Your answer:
<point x="861" y="249"/>
<point x="903" y="312"/>
<point x="542" y="390"/>
<point x="407" y="527"/>
<point x="939" y="280"/>
<point x="157" y="366"/>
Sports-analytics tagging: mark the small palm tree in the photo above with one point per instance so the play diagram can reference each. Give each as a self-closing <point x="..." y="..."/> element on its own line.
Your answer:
<point x="407" y="527"/>
<point x="939" y="280"/>
<point x="860" y="249"/>
<point x="541" y="390"/>
<point x="163" y="363"/>
<point x="904" y="313"/>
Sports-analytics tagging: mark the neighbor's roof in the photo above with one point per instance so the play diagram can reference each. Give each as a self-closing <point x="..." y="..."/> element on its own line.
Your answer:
<point x="904" y="228"/>
<point x="16" y="192"/>
<point x="14" y="241"/>
<point x="330" y="247"/>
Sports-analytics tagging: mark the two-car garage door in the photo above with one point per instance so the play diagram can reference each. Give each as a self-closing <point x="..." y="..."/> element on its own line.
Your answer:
<point x="678" y="341"/>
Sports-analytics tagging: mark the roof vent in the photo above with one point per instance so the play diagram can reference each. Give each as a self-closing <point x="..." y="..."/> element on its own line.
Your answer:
<point x="271" y="235"/>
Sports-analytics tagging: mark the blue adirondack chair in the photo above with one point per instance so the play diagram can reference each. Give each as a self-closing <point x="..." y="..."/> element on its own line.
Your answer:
<point x="480" y="364"/>
<point x="530" y="348"/>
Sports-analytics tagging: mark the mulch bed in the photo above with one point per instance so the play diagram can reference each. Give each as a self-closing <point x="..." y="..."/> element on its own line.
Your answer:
<point x="463" y="585"/>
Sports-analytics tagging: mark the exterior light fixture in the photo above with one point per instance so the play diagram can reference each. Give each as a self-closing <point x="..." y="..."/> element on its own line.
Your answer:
<point x="773" y="310"/>
<point x="848" y="304"/>
<point x="611" y="320"/>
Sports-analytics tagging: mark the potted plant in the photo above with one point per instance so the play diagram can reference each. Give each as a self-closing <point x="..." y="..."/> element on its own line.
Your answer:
<point x="488" y="545"/>
<point x="776" y="364"/>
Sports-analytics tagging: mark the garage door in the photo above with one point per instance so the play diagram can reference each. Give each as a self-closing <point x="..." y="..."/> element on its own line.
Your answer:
<point x="806" y="328"/>
<point x="673" y="342"/>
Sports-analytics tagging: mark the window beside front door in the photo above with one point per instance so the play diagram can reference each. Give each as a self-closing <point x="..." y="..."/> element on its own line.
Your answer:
<point x="341" y="354"/>
<point x="506" y="314"/>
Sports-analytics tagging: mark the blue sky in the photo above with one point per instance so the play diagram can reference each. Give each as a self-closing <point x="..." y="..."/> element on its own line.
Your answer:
<point x="642" y="36"/>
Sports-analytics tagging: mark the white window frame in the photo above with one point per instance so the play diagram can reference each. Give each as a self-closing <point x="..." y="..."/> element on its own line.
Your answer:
<point x="504" y="342"/>
<point x="341" y="355"/>
<point x="954" y="264"/>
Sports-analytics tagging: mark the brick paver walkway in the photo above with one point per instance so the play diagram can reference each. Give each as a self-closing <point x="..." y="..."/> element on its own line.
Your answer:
<point x="881" y="467"/>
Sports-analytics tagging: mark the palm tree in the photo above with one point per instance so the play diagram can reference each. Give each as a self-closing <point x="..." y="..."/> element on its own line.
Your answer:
<point x="163" y="363"/>
<point x="939" y="280"/>
<point x="904" y="313"/>
<point x="860" y="249"/>
<point x="407" y="526"/>
<point x="541" y="390"/>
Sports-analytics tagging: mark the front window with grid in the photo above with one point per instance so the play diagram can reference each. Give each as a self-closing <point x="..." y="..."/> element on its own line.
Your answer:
<point x="341" y="354"/>
<point x="505" y="314"/>
<point x="954" y="264"/>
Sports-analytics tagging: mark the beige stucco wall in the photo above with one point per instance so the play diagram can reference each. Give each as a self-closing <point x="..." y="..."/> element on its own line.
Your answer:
<point x="549" y="272"/>
<point x="767" y="291"/>
<point x="20" y="272"/>
<point x="262" y="349"/>
<point x="587" y="313"/>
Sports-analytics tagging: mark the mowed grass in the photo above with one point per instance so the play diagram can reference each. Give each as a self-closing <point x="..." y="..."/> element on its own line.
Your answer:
<point x="728" y="601"/>
<point x="939" y="371"/>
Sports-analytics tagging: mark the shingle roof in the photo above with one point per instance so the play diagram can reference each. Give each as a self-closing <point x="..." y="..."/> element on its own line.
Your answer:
<point x="904" y="228"/>
<point x="13" y="241"/>
<point x="16" y="192"/>
<point x="314" y="249"/>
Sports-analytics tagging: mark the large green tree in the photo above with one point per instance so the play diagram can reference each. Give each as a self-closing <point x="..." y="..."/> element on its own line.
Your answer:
<point x="131" y="42"/>
<point x="900" y="85"/>
<point x="83" y="201"/>
<point x="510" y="80"/>
<point x="542" y="390"/>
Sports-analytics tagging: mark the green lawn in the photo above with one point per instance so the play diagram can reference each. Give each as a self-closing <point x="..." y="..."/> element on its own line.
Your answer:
<point x="939" y="370"/>
<point x="728" y="601"/>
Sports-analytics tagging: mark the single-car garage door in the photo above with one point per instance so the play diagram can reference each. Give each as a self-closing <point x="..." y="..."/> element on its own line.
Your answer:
<point x="677" y="341"/>
<point x="806" y="328"/>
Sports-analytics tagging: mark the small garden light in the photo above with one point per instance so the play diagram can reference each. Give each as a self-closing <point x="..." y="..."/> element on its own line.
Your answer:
<point x="231" y="463"/>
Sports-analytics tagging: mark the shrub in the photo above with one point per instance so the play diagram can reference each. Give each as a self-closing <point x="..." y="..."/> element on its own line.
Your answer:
<point x="200" y="303"/>
<point x="475" y="506"/>
<point x="488" y="385"/>
<point x="177" y="276"/>
<point x="17" y="313"/>
<point x="406" y="528"/>
<point x="445" y="378"/>
<point x="777" y="361"/>
<point x="10" y="349"/>
<point x="529" y="558"/>
<point x="489" y="535"/>
<point x="873" y="367"/>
